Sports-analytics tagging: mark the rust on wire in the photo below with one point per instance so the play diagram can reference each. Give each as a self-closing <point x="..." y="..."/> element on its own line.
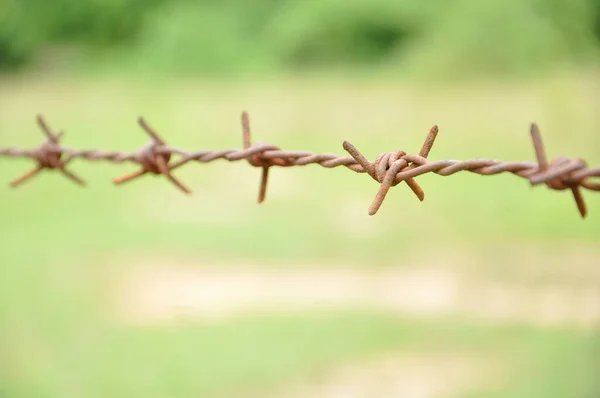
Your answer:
<point x="48" y="156"/>
<point x="256" y="160"/>
<point x="552" y="176"/>
<point x="388" y="170"/>
<point x="388" y="165"/>
<point x="152" y="160"/>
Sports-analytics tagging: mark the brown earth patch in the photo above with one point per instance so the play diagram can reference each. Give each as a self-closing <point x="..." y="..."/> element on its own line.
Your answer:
<point x="159" y="294"/>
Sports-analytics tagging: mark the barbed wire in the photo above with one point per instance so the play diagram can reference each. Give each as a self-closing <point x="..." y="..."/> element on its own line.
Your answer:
<point x="389" y="168"/>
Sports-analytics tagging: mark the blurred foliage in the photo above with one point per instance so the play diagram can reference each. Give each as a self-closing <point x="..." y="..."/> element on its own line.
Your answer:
<point x="233" y="35"/>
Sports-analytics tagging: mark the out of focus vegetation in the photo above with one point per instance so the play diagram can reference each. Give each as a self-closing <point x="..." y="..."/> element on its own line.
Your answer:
<point x="67" y="254"/>
<point x="232" y="36"/>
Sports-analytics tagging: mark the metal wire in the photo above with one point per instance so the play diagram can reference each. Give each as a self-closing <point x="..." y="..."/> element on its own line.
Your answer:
<point x="389" y="168"/>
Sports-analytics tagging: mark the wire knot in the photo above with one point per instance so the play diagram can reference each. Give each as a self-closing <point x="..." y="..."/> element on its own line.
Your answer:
<point x="385" y="161"/>
<point x="559" y="174"/>
<point x="259" y="159"/>
<point x="154" y="158"/>
<point x="48" y="156"/>
<point x="255" y="155"/>
<point x="566" y="168"/>
<point x="387" y="166"/>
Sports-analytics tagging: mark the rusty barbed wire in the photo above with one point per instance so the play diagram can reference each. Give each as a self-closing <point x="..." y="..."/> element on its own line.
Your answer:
<point x="389" y="168"/>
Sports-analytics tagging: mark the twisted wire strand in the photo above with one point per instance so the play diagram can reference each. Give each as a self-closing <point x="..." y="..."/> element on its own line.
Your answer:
<point x="96" y="154"/>
<point x="523" y="169"/>
<point x="389" y="169"/>
<point x="486" y="167"/>
<point x="17" y="153"/>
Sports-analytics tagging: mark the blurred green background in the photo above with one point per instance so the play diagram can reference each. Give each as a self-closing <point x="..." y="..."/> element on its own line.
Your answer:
<point x="489" y="288"/>
<point x="257" y="37"/>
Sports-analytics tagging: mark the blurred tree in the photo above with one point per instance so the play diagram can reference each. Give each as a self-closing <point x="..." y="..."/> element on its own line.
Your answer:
<point x="506" y="37"/>
<point x="335" y="31"/>
<point x="28" y="25"/>
<point x="19" y="36"/>
<point x="229" y="36"/>
<point x="596" y="16"/>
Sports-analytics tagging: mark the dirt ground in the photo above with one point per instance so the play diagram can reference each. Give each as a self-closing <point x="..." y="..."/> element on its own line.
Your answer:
<point x="159" y="294"/>
<point x="158" y="291"/>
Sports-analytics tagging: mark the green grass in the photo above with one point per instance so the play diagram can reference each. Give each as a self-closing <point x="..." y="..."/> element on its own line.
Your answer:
<point x="257" y="353"/>
<point x="57" y="336"/>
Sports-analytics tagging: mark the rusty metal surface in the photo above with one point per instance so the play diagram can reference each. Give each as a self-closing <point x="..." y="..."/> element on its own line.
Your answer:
<point x="389" y="168"/>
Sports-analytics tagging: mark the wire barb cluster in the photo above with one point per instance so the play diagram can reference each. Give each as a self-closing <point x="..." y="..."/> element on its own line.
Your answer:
<point x="389" y="168"/>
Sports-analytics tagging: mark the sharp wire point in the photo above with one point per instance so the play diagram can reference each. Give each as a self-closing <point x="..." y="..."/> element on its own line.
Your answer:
<point x="255" y="159"/>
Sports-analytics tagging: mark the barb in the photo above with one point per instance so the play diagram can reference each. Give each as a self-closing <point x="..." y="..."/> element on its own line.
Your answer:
<point x="389" y="168"/>
<point x="48" y="156"/>
<point x="153" y="159"/>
